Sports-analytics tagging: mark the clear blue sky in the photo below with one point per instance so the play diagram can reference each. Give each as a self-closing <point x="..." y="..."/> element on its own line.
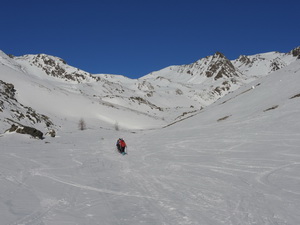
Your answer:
<point x="136" y="37"/>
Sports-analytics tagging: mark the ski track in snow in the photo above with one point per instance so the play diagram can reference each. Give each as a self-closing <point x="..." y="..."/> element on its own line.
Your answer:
<point x="235" y="162"/>
<point x="84" y="187"/>
<point x="238" y="183"/>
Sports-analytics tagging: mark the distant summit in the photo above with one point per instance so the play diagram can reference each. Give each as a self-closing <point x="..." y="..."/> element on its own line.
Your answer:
<point x="53" y="66"/>
<point x="44" y="91"/>
<point x="296" y="52"/>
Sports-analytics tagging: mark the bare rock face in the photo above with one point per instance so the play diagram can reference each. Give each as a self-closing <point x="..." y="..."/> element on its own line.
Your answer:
<point x="26" y="130"/>
<point x="296" y="52"/>
<point x="57" y="67"/>
<point x="216" y="66"/>
<point x="7" y="90"/>
<point x="14" y="112"/>
<point x="52" y="133"/>
<point x="221" y="67"/>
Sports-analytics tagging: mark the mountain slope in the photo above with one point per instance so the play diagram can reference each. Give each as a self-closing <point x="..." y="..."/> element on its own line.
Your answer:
<point x="14" y="112"/>
<point x="258" y="99"/>
<point x="215" y="76"/>
<point x="67" y="102"/>
<point x="235" y="162"/>
<point x="51" y="87"/>
<point x="266" y="63"/>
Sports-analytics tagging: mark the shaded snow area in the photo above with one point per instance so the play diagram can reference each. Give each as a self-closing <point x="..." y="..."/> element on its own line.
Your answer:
<point x="235" y="162"/>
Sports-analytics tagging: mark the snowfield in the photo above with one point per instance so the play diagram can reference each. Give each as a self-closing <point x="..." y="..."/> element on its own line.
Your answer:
<point x="235" y="162"/>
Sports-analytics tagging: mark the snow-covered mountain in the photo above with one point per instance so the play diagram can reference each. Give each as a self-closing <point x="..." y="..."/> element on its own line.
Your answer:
<point x="236" y="161"/>
<point x="58" y="92"/>
<point x="15" y="112"/>
<point x="52" y="66"/>
<point x="203" y="81"/>
<point x="266" y="63"/>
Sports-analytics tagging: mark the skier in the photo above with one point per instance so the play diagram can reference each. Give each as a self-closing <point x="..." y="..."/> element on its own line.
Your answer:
<point x="121" y="145"/>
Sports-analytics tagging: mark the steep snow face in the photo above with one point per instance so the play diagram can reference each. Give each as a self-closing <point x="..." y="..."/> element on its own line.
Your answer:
<point x="67" y="102"/>
<point x="8" y="61"/>
<point x="14" y="113"/>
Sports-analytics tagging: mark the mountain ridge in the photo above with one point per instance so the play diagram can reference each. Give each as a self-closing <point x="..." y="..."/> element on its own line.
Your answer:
<point x="165" y="96"/>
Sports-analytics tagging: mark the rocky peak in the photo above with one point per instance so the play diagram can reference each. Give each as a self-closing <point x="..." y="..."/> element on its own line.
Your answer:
<point x="219" y="66"/>
<point x="244" y="60"/>
<point x="296" y="52"/>
<point x="215" y="66"/>
<point x="219" y="55"/>
<point x="50" y="60"/>
<point x="57" y="67"/>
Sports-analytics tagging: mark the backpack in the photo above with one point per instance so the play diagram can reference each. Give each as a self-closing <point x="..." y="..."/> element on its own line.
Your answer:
<point x="122" y="143"/>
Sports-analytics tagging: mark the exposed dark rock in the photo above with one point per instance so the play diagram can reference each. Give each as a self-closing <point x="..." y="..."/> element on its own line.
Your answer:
<point x="49" y="61"/>
<point x="26" y="130"/>
<point x="178" y="92"/>
<point x="295" y="96"/>
<point x="296" y="52"/>
<point x="219" y="54"/>
<point x="244" y="59"/>
<point x="222" y="67"/>
<point x="273" y="107"/>
<point x="11" y="56"/>
<point x="52" y="133"/>
<point x="223" y="118"/>
<point x="57" y="67"/>
<point x="7" y="89"/>
<point x="275" y="66"/>
<point x="218" y="90"/>
<point x="17" y="112"/>
<point x="146" y="102"/>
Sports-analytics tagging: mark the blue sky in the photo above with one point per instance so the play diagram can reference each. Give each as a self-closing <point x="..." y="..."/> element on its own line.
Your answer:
<point x="134" y="38"/>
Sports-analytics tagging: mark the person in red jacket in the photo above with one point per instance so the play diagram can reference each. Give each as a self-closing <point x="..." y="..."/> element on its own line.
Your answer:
<point x="121" y="145"/>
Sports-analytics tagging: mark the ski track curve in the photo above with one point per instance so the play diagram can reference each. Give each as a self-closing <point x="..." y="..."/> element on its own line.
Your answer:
<point x="208" y="184"/>
<point x="264" y="178"/>
<point x="85" y="187"/>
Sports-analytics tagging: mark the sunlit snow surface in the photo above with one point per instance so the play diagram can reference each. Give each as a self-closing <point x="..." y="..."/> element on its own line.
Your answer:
<point x="236" y="162"/>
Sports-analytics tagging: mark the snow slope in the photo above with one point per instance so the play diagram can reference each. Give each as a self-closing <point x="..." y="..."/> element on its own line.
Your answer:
<point x="265" y="63"/>
<point x="235" y="162"/>
<point x="63" y="100"/>
<point x="47" y="86"/>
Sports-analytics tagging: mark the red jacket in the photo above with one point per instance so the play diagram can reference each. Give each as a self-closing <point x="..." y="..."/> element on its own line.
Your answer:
<point x="122" y="143"/>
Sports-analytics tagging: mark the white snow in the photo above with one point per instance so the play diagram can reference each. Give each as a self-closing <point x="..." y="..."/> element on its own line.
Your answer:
<point x="235" y="162"/>
<point x="262" y="64"/>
